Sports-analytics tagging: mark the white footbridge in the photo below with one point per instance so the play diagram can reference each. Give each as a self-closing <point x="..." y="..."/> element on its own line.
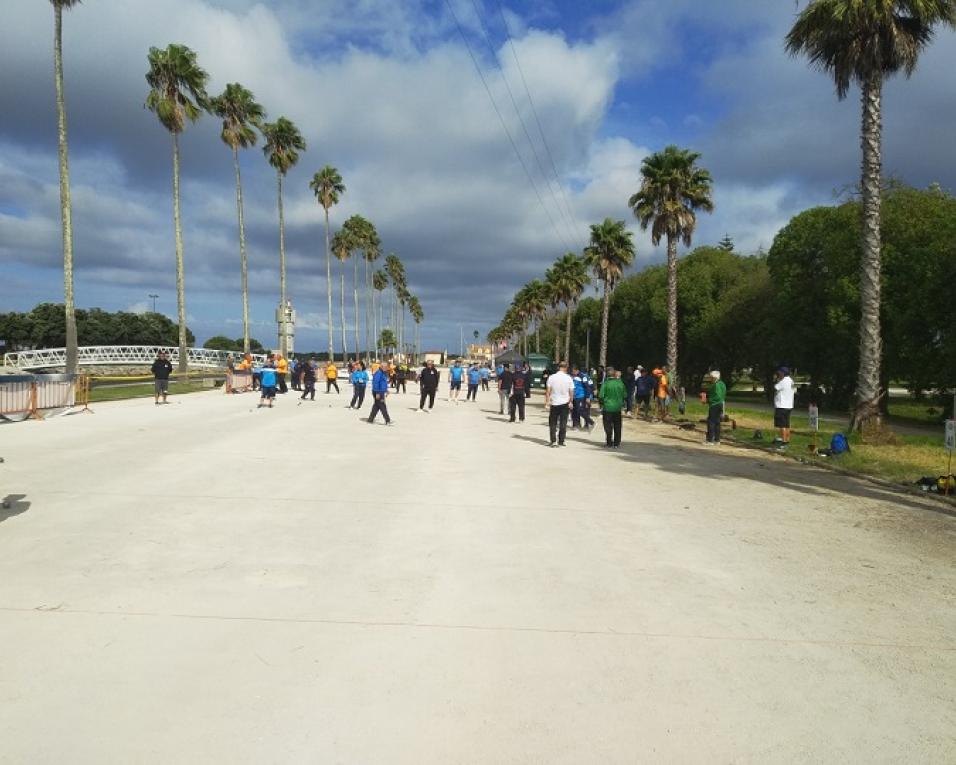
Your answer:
<point x="122" y="355"/>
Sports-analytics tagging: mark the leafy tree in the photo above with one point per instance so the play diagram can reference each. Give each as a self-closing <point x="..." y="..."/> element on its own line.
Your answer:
<point x="387" y="341"/>
<point x="726" y="244"/>
<point x="177" y="95"/>
<point x="866" y="42"/>
<point x="241" y="114"/>
<point x="327" y="186"/>
<point x="283" y="144"/>
<point x="673" y="189"/>
<point x="610" y="251"/>
<point x="223" y="343"/>
<point x="379" y="284"/>
<point x="66" y="208"/>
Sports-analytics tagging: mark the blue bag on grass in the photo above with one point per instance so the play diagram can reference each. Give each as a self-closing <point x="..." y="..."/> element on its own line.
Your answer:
<point x="839" y="444"/>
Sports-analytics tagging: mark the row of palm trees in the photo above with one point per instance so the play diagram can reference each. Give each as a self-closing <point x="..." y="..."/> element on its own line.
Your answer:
<point x="178" y="97"/>
<point x="673" y="189"/>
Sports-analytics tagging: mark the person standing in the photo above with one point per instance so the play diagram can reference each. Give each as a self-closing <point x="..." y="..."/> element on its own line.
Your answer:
<point x="268" y="383"/>
<point x="505" y="384"/>
<point x="401" y="372"/>
<point x="428" y="385"/>
<point x="331" y="377"/>
<point x="613" y="395"/>
<point x="662" y="391"/>
<point x="716" y="397"/>
<point x="474" y="380"/>
<point x="643" y="390"/>
<point x="485" y="373"/>
<point x="161" y="369"/>
<point x="782" y="406"/>
<point x="380" y="393"/>
<point x="359" y="381"/>
<point x="282" y="369"/>
<point x="560" y="393"/>
<point x="456" y="373"/>
<point x="520" y="390"/>
<point x="307" y="371"/>
<point x="583" y="390"/>
<point x="630" y="385"/>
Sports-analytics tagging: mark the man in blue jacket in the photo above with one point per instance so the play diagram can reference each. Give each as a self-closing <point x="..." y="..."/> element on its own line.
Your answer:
<point x="455" y="374"/>
<point x="583" y="391"/>
<point x="380" y="393"/>
<point x="359" y="381"/>
<point x="474" y="380"/>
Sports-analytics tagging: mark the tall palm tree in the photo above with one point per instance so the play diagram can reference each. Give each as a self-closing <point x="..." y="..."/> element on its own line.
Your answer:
<point x="177" y="94"/>
<point x="866" y="42"/>
<point x="327" y="186"/>
<point x="342" y="247"/>
<point x="372" y="251"/>
<point x="673" y="189"/>
<point x="379" y="284"/>
<point x="418" y="316"/>
<point x="566" y="280"/>
<point x="396" y="274"/>
<point x="608" y="254"/>
<point x="66" y="208"/>
<point x="536" y="304"/>
<point x="283" y="144"/>
<point x="240" y="114"/>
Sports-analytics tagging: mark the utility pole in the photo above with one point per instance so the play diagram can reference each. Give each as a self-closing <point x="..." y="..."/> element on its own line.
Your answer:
<point x="153" y="298"/>
<point x="461" y="331"/>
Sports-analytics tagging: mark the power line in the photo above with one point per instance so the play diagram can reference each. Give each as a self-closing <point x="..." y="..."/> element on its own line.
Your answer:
<point x="504" y="125"/>
<point x="534" y="111"/>
<point x="481" y="26"/>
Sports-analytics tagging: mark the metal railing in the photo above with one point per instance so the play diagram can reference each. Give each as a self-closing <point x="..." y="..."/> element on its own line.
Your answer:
<point x="121" y="355"/>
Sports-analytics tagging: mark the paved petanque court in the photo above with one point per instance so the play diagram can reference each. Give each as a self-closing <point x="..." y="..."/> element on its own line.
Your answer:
<point x="208" y="582"/>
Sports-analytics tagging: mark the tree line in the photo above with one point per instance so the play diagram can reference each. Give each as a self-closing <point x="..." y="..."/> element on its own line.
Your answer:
<point x="177" y="95"/>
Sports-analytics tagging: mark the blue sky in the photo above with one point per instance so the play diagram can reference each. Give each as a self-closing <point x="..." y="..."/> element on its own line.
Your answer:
<point x="385" y="90"/>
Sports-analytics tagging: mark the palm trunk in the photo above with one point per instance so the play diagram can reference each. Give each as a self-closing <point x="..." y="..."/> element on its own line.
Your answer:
<point x="180" y="278"/>
<point x="345" y="350"/>
<point x="868" y="393"/>
<point x="567" y="333"/>
<point x="672" y="309"/>
<point x="602" y="359"/>
<point x="368" y="323"/>
<point x="355" y="307"/>
<point x="537" y="337"/>
<point x="243" y="261"/>
<point x="328" y="281"/>
<point x="66" y="210"/>
<point x="557" y="341"/>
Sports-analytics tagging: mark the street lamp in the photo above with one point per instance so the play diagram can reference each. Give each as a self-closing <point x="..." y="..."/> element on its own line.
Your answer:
<point x="153" y="297"/>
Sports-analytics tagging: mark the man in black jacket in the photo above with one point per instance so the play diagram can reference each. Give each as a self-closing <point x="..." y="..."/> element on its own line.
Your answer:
<point x="428" y="385"/>
<point x="161" y="370"/>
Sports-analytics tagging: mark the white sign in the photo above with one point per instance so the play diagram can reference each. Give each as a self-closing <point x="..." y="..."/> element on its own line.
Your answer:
<point x="814" y="417"/>
<point x="951" y="435"/>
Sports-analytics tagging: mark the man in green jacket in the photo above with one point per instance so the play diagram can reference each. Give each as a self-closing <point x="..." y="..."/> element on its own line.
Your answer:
<point x="612" y="395"/>
<point x="716" y="398"/>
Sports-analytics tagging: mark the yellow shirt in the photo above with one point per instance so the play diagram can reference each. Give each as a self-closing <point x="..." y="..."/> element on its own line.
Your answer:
<point x="331" y="372"/>
<point x="282" y="366"/>
<point x="375" y="367"/>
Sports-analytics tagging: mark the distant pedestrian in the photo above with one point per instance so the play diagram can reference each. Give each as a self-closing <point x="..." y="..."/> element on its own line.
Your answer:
<point x="520" y="390"/>
<point x="295" y="374"/>
<point x="401" y="373"/>
<point x="663" y="392"/>
<point x="583" y="390"/>
<point x="716" y="397"/>
<point x="428" y="385"/>
<point x="307" y="372"/>
<point x="782" y="406"/>
<point x="161" y="369"/>
<point x="268" y="383"/>
<point x="474" y="380"/>
<point x="380" y="393"/>
<point x="331" y="377"/>
<point x="505" y="381"/>
<point x="282" y="369"/>
<point x="456" y="373"/>
<point x="359" y="380"/>
<point x="485" y="373"/>
<point x="560" y="393"/>
<point x="613" y="395"/>
<point x="643" y="391"/>
<point x="630" y="385"/>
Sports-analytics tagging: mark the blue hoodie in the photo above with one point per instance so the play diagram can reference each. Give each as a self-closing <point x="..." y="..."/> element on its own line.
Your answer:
<point x="360" y="377"/>
<point x="380" y="381"/>
<point x="474" y="376"/>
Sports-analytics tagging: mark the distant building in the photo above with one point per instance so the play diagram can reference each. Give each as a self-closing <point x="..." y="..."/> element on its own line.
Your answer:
<point x="438" y="357"/>
<point x="479" y="352"/>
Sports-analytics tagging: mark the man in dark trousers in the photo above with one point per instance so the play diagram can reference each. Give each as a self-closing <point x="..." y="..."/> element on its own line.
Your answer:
<point x="161" y="370"/>
<point x="613" y="396"/>
<point x="428" y="385"/>
<point x="520" y="390"/>
<point x="505" y="385"/>
<point x="307" y="370"/>
<point x="380" y="393"/>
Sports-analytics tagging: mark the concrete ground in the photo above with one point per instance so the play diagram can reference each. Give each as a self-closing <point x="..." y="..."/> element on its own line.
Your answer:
<point x="209" y="582"/>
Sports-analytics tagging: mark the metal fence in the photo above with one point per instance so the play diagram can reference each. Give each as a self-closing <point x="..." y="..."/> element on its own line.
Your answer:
<point x="36" y="396"/>
<point x="121" y="355"/>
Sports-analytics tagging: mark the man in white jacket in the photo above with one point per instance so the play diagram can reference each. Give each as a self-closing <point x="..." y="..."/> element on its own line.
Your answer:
<point x="783" y="406"/>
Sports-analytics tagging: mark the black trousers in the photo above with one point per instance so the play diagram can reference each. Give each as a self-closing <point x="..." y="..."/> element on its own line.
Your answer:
<point x="516" y="404"/>
<point x="581" y="411"/>
<point x="558" y="422"/>
<point x="400" y="384"/>
<point x="330" y="383"/>
<point x="379" y="406"/>
<point x="484" y="383"/>
<point x="358" y="396"/>
<point x="714" y="415"/>
<point x="612" y="428"/>
<point x="472" y="392"/>
<point x="427" y="394"/>
<point x="282" y="387"/>
<point x="309" y="389"/>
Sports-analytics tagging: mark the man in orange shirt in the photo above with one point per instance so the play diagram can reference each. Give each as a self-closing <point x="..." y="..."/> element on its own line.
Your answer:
<point x="282" y="369"/>
<point x="331" y="377"/>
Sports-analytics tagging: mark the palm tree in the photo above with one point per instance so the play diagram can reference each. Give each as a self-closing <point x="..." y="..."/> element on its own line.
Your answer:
<point x="240" y="113"/>
<point x="177" y="93"/>
<point x="379" y="283"/>
<point x="566" y="280"/>
<point x="372" y="251"/>
<point x="609" y="253"/>
<point x="396" y="273"/>
<point x="536" y="302"/>
<point x="673" y="188"/>
<point x="868" y="41"/>
<point x="342" y="247"/>
<point x="328" y="187"/>
<point x="66" y="208"/>
<point x="418" y="315"/>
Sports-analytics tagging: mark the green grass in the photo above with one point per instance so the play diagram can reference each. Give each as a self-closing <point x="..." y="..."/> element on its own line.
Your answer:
<point x="146" y="390"/>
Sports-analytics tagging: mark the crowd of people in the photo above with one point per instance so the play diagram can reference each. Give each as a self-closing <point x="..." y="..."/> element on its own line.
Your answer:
<point x="570" y="394"/>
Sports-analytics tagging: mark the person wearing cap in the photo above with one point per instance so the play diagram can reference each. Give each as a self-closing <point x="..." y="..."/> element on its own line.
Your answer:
<point x="613" y="395"/>
<point x="716" y="397"/>
<point x="560" y="393"/>
<point x="782" y="406"/>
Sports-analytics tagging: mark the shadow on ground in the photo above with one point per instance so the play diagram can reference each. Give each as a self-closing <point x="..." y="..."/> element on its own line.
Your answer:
<point x="13" y="504"/>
